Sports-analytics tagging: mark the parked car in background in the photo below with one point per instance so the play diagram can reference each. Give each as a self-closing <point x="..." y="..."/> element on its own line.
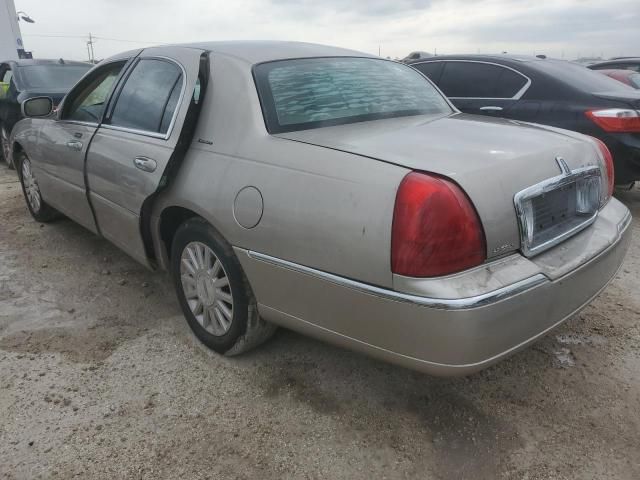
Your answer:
<point x="24" y="79"/>
<point x="622" y="63"/>
<point x="416" y="56"/>
<point x="330" y="192"/>
<point x="550" y="92"/>
<point x="628" y="77"/>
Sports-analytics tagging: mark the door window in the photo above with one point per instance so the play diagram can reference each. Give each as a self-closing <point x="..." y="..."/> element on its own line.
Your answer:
<point x="5" y="81"/>
<point x="149" y="98"/>
<point x="88" y="102"/>
<point x="480" y="80"/>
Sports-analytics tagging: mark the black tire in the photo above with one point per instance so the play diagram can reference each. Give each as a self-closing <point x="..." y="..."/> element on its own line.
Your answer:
<point x="40" y="211"/>
<point x="247" y="329"/>
<point x="4" y="148"/>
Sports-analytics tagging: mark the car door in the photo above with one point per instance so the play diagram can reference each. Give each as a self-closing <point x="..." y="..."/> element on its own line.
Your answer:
<point x="63" y="143"/>
<point x="482" y="88"/>
<point x="133" y="146"/>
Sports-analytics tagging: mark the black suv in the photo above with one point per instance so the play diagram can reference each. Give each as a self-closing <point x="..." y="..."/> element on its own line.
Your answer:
<point x="24" y="79"/>
<point x="550" y="92"/>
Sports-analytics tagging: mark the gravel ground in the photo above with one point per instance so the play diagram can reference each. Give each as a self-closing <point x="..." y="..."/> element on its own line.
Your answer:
<point x="100" y="377"/>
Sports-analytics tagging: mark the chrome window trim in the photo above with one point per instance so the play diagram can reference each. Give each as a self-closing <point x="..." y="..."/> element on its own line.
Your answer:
<point x="437" y="303"/>
<point x="134" y="131"/>
<point x="545" y="186"/>
<point x="519" y="94"/>
<point x="78" y="122"/>
<point x="148" y="133"/>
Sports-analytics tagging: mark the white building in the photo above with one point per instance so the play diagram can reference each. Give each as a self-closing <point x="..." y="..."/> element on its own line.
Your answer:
<point x="11" y="46"/>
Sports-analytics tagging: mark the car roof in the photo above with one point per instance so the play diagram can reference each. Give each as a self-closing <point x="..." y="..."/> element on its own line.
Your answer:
<point x="258" y="51"/>
<point x="44" y="61"/>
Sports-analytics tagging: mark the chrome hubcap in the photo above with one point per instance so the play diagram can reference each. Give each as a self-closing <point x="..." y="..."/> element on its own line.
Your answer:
<point x="206" y="287"/>
<point x="30" y="186"/>
<point x="5" y="146"/>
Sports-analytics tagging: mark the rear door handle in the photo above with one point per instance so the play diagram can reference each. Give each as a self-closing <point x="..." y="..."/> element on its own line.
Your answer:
<point x="145" y="164"/>
<point x="74" y="145"/>
<point x="490" y="109"/>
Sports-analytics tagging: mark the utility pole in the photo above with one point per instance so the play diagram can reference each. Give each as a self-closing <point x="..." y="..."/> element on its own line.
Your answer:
<point x="90" y="43"/>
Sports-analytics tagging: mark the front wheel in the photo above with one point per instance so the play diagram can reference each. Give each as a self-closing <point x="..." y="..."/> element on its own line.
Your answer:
<point x="213" y="291"/>
<point x="39" y="209"/>
<point x="4" y="144"/>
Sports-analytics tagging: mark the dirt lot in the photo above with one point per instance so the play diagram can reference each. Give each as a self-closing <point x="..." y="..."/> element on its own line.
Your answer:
<point x="100" y="377"/>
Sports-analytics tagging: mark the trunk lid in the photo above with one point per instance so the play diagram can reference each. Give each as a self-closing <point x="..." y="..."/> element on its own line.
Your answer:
<point x="630" y="98"/>
<point x="491" y="159"/>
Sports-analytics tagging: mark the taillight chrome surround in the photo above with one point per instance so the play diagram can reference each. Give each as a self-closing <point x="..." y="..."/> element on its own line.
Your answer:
<point x="588" y="199"/>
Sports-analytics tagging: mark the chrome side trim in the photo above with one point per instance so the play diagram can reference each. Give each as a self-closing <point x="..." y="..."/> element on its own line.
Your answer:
<point x="546" y="186"/>
<point x="519" y="94"/>
<point x="439" y="303"/>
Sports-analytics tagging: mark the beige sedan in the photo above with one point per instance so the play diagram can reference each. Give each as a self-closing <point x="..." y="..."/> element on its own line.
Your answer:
<point x="330" y="192"/>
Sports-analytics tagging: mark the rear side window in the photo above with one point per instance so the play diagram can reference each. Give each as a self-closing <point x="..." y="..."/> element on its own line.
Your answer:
<point x="480" y="80"/>
<point x="320" y="92"/>
<point x="635" y="80"/>
<point x="431" y="69"/>
<point x="149" y="97"/>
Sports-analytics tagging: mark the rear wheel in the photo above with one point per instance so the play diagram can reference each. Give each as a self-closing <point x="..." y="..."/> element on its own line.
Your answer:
<point x="39" y="209"/>
<point x="213" y="291"/>
<point x="4" y="147"/>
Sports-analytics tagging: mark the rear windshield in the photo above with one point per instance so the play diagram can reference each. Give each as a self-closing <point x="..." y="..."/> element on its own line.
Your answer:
<point x="52" y="77"/>
<point x="581" y="77"/>
<point x="319" y="92"/>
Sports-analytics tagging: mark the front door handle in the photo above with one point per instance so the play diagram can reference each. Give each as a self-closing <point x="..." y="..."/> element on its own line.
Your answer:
<point x="490" y="109"/>
<point x="75" y="145"/>
<point x="145" y="164"/>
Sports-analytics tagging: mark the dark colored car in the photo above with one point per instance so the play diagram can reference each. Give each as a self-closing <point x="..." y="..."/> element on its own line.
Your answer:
<point x="628" y="77"/>
<point x="551" y="92"/>
<point x="24" y="79"/>
<point x="622" y="63"/>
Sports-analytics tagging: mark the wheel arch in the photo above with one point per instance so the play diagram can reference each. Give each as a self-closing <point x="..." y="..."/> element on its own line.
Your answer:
<point x="16" y="150"/>
<point x="165" y="225"/>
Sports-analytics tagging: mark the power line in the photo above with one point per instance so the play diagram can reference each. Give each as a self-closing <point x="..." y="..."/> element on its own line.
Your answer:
<point x="94" y="37"/>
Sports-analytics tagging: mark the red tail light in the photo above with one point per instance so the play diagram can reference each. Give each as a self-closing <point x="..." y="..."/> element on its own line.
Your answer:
<point x="620" y="120"/>
<point x="607" y="159"/>
<point x="436" y="231"/>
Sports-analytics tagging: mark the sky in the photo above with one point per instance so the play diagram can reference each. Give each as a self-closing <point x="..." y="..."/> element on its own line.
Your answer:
<point x="558" y="28"/>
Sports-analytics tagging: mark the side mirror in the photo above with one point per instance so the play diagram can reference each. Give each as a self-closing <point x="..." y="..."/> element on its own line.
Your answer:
<point x="37" y="107"/>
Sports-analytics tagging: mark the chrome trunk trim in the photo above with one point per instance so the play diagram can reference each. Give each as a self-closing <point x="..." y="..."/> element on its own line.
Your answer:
<point x="565" y="178"/>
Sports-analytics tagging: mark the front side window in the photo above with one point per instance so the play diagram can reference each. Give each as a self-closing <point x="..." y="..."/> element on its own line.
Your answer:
<point x="53" y="76"/>
<point x="480" y="80"/>
<point x="318" y="92"/>
<point x="87" y="104"/>
<point x="149" y="97"/>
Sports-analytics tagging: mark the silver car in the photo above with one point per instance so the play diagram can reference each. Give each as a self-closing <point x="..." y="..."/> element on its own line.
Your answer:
<point x="330" y="192"/>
